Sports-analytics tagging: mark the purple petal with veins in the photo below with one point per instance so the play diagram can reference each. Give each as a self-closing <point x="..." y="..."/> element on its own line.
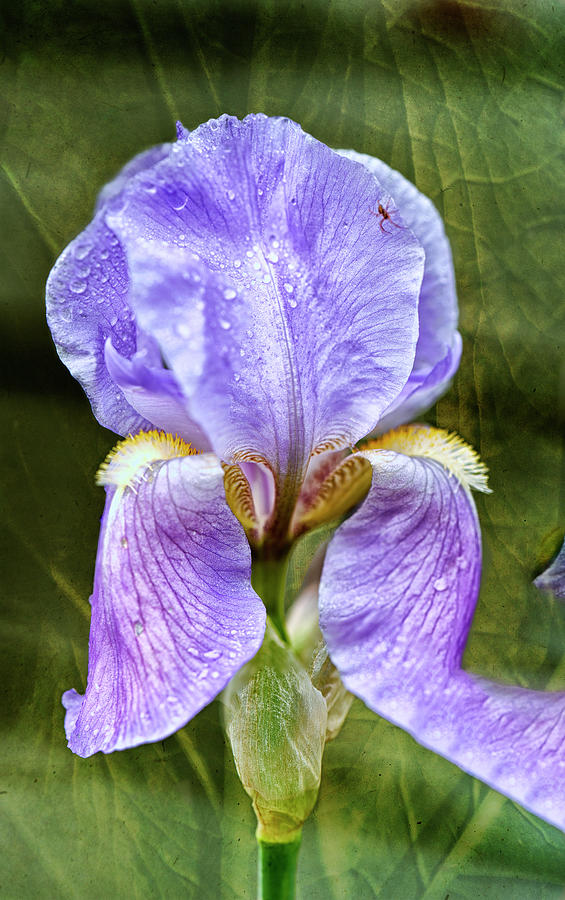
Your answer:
<point x="299" y="312"/>
<point x="397" y="595"/>
<point x="153" y="391"/>
<point x="439" y="344"/>
<point x="87" y="305"/>
<point x="173" y="612"/>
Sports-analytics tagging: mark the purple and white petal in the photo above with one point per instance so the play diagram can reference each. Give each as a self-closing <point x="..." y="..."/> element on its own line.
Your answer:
<point x="398" y="590"/>
<point x="254" y="245"/>
<point x="173" y="612"/>
<point x="553" y="579"/>
<point x="439" y="344"/>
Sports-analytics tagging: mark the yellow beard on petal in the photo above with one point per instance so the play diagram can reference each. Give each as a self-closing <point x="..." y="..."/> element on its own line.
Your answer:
<point x="443" y="446"/>
<point x="130" y="460"/>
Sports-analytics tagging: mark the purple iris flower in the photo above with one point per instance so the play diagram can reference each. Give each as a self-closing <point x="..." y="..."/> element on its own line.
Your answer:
<point x="273" y="302"/>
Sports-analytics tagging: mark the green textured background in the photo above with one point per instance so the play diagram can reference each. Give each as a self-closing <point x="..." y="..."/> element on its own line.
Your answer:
<point x="467" y="100"/>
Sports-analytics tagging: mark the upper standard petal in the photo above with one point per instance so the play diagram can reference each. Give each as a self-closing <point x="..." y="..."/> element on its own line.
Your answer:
<point x="87" y="304"/>
<point x="439" y="344"/>
<point x="300" y="310"/>
<point x="95" y="331"/>
<point x="173" y="612"/>
<point x="397" y="595"/>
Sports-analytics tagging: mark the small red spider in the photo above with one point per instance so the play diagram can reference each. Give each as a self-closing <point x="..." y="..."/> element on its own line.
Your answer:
<point x="383" y="215"/>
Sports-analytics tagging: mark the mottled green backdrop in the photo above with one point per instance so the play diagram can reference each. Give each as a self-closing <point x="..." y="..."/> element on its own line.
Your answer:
<point x="467" y="100"/>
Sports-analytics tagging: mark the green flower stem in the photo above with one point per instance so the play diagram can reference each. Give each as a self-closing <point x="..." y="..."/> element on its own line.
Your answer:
<point x="277" y="870"/>
<point x="268" y="577"/>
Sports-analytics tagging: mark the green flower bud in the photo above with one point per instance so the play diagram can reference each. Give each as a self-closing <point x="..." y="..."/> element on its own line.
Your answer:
<point x="276" y="723"/>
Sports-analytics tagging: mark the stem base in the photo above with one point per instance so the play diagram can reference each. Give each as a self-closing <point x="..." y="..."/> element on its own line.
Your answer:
<point x="277" y="869"/>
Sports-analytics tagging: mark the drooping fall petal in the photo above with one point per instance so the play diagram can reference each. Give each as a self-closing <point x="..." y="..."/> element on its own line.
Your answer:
<point x="397" y="595"/>
<point x="173" y="612"/>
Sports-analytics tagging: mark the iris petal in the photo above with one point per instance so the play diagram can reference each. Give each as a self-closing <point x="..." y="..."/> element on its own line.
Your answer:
<point x="140" y="163"/>
<point x="87" y="305"/>
<point x="297" y="322"/>
<point x="439" y="344"/>
<point x="173" y="612"/>
<point x="153" y="391"/>
<point x="553" y="579"/>
<point x="397" y="595"/>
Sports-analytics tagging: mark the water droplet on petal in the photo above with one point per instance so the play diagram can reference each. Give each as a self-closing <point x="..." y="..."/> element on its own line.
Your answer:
<point x="78" y="287"/>
<point x="138" y="628"/>
<point x="231" y="195"/>
<point x="292" y="303"/>
<point x="83" y="251"/>
<point x="236" y="263"/>
<point x="225" y="324"/>
<point x="440" y="584"/>
<point x="229" y="293"/>
<point x="124" y="542"/>
<point x="288" y="287"/>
